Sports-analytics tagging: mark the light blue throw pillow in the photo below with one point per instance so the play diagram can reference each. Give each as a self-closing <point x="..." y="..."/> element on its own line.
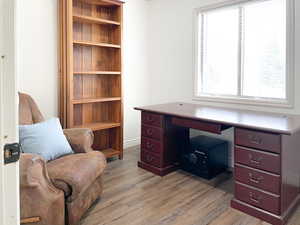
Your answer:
<point x="45" y="139"/>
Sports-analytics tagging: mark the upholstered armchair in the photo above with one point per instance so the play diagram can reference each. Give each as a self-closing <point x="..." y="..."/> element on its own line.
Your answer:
<point x="60" y="191"/>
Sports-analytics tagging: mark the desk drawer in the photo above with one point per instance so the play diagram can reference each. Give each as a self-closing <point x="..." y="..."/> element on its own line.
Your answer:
<point x="152" y="119"/>
<point x="260" y="140"/>
<point x="151" y="145"/>
<point x="150" y="158"/>
<point x="257" y="159"/>
<point x="152" y="132"/>
<point x="259" y="179"/>
<point x="258" y="198"/>
<point x="199" y="125"/>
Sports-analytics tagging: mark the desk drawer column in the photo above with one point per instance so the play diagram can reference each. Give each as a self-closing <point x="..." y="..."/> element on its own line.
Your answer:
<point x="257" y="166"/>
<point x="158" y="151"/>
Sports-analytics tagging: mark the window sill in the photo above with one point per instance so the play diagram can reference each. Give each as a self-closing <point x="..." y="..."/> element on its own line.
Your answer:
<point x="245" y="101"/>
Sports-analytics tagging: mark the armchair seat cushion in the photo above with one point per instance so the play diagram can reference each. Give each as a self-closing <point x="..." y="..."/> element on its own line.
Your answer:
<point x="75" y="173"/>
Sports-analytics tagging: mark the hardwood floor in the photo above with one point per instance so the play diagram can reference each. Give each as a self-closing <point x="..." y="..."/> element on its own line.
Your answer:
<point x="133" y="196"/>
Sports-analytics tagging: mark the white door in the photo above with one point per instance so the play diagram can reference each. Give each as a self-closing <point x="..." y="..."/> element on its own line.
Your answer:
<point x="9" y="174"/>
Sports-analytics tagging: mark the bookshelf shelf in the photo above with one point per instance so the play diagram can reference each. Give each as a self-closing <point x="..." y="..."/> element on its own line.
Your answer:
<point x="93" y="100"/>
<point x="89" y="43"/>
<point x="89" y="19"/>
<point x="110" y="152"/>
<point x="99" y="126"/>
<point x="110" y="3"/>
<point x="98" y="72"/>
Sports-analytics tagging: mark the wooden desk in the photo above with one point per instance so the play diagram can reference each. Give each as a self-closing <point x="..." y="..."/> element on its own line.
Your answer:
<point x="266" y="152"/>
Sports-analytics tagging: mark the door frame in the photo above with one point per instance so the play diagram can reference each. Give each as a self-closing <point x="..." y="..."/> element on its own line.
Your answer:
<point x="9" y="174"/>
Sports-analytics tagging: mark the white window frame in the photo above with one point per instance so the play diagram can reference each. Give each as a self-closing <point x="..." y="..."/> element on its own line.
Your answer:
<point x="290" y="60"/>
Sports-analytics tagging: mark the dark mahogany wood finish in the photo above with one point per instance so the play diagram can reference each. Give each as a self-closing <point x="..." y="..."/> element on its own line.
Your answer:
<point x="260" y="140"/>
<point x="257" y="159"/>
<point x="276" y="155"/>
<point x="152" y="132"/>
<point x="160" y="143"/>
<point x="199" y="125"/>
<point x="151" y="159"/>
<point x="152" y="119"/>
<point x="267" y="168"/>
<point x="151" y="145"/>
<point x="258" y="198"/>
<point x="257" y="178"/>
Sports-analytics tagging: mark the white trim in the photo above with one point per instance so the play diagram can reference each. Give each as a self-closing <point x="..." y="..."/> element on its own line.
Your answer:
<point x="226" y="4"/>
<point x="9" y="174"/>
<point x="290" y="59"/>
<point x="290" y="56"/>
<point x="132" y="142"/>
<point x="240" y="51"/>
<point x="244" y="101"/>
<point x="2" y="186"/>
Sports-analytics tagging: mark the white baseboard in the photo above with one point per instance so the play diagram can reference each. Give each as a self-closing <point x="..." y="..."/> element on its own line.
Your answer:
<point x="132" y="142"/>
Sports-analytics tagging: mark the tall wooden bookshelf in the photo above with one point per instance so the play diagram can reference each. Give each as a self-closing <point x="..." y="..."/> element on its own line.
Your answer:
<point x="91" y="70"/>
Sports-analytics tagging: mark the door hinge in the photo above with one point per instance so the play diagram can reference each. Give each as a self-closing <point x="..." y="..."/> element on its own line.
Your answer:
<point x="12" y="153"/>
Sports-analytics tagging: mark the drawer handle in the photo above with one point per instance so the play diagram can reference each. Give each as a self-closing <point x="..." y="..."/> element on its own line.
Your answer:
<point x="255" y="161"/>
<point x="255" y="139"/>
<point x="149" y="119"/>
<point x="149" y="145"/>
<point x="149" y="132"/>
<point x="254" y="199"/>
<point x="255" y="180"/>
<point x="149" y="158"/>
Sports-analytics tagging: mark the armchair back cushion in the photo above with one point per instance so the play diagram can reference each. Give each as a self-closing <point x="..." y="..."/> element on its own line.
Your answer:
<point x="29" y="113"/>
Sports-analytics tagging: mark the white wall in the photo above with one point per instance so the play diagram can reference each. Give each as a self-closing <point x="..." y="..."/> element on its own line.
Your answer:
<point x="37" y="52"/>
<point x="38" y="49"/>
<point x="136" y="80"/>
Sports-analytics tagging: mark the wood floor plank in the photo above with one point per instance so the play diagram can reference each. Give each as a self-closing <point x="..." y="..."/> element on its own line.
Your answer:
<point x="133" y="196"/>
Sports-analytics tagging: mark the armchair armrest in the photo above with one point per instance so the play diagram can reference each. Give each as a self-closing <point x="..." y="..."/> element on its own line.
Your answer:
<point x="80" y="139"/>
<point x="38" y="196"/>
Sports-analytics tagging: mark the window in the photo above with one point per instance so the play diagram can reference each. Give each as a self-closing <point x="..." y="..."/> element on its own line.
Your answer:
<point x="242" y="52"/>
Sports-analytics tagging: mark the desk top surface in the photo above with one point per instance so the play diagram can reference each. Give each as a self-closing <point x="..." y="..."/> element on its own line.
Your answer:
<point x="273" y="122"/>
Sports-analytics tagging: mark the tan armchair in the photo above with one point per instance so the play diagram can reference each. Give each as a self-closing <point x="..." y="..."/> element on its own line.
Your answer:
<point x="60" y="191"/>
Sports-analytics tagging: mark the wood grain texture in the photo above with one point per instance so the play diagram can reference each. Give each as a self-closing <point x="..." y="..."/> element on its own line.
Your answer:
<point x="89" y="19"/>
<point x="91" y="93"/>
<point x="133" y="196"/>
<point x="104" y="2"/>
<point x="69" y="61"/>
<point x="95" y="86"/>
<point x="97" y="44"/>
<point x="62" y="64"/>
